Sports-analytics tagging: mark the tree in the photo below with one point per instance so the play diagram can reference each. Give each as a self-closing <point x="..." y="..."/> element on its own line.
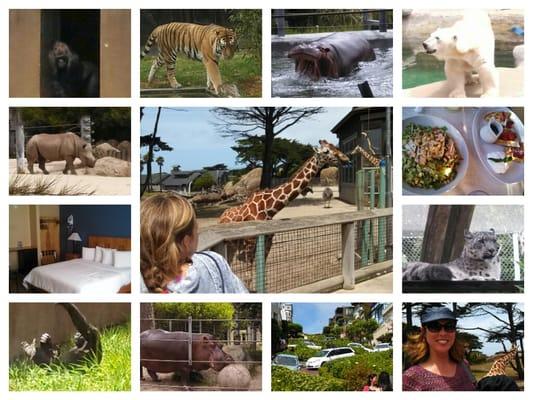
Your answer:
<point x="248" y="26"/>
<point x="204" y="181"/>
<point x="361" y="330"/>
<point x="147" y="316"/>
<point x="160" y="161"/>
<point x="216" y="167"/>
<point x="210" y="317"/>
<point x="294" y="329"/>
<point x="287" y="155"/>
<point x="264" y="123"/>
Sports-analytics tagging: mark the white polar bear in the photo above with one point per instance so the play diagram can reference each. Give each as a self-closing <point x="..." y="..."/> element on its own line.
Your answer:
<point x="466" y="46"/>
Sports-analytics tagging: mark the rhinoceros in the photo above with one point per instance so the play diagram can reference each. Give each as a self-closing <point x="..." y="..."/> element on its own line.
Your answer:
<point x="45" y="147"/>
<point x="163" y="351"/>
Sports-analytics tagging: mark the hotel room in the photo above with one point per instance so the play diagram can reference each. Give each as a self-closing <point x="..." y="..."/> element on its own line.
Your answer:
<point x="69" y="249"/>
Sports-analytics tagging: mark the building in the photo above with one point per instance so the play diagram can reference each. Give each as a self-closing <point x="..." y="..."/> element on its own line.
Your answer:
<point x="344" y="315"/>
<point x="376" y="122"/>
<point x="281" y="312"/>
<point x="382" y="313"/>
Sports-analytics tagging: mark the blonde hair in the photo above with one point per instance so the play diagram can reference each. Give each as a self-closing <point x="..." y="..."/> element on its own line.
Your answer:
<point x="416" y="350"/>
<point x="166" y="219"/>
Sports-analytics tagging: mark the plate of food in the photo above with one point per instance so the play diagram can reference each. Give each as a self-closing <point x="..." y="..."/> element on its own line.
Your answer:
<point x="434" y="155"/>
<point x="503" y="155"/>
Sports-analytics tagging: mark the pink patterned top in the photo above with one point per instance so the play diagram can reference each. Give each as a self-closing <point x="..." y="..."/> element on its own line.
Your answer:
<point x="417" y="378"/>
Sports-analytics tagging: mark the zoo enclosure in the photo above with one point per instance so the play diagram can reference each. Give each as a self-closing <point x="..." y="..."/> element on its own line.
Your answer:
<point x="511" y="253"/>
<point x="307" y="254"/>
<point x="245" y="333"/>
<point x="370" y="19"/>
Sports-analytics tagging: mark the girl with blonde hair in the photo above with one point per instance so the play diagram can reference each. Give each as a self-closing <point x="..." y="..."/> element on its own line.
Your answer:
<point x="169" y="261"/>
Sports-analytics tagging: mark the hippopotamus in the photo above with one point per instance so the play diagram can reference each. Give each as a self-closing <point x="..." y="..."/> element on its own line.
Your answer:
<point x="163" y="351"/>
<point x="45" y="147"/>
<point x="332" y="56"/>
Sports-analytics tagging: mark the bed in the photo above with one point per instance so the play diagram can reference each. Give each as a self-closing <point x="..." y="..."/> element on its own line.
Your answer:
<point x="81" y="275"/>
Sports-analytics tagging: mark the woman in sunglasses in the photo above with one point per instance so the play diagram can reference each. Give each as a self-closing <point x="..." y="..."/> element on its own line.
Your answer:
<point x="436" y="356"/>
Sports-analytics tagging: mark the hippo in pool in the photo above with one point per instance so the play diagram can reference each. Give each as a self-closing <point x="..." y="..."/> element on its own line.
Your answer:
<point x="332" y="56"/>
<point x="163" y="351"/>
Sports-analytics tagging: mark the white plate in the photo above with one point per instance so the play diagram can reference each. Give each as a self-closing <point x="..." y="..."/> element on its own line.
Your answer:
<point x="428" y="120"/>
<point x="515" y="173"/>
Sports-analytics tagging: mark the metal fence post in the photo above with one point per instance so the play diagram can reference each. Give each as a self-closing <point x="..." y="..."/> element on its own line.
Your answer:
<point x="370" y="222"/>
<point x="516" y="257"/>
<point x="382" y="197"/>
<point x="189" y="341"/>
<point x="260" y="264"/>
<point x="348" y="255"/>
<point x="360" y="189"/>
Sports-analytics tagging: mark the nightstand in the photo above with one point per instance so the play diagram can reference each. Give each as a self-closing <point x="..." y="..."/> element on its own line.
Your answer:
<point x="72" y="256"/>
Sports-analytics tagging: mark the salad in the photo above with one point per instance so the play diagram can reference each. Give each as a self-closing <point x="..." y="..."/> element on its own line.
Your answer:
<point x="430" y="157"/>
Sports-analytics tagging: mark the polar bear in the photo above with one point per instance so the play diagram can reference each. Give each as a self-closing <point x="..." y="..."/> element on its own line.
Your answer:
<point x="465" y="47"/>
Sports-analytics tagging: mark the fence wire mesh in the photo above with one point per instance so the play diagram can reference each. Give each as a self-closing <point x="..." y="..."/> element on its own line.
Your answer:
<point x="373" y="241"/>
<point x="511" y="246"/>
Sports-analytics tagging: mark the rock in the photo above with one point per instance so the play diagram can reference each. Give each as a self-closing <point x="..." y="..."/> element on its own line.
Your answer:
<point x="125" y="150"/>
<point x="235" y="376"/>
<point x="111" y="166"/>
<point x="113" y="142"/>
<point x="329" y="176"/>
<point x="236" y="352"/>
<point x="104" y="150"/>
<point x="209" y="377"/>
<point x="249" y="183"/>
<point x="229" y="189"/>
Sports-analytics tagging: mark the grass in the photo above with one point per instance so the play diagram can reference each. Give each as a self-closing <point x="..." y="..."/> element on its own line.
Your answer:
<point x="242" y="70"/>
<point x="113" y="374"/>
<point x="21" y="185"/>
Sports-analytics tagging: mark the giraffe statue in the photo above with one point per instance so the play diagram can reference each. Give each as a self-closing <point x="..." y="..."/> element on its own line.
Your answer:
<point x="265" y="204"/>
<point x="498" y="367"/>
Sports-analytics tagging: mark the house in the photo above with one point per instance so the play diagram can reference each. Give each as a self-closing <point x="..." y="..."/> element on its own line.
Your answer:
<point x="157" y="179"/>
<point x="344" y="315"/>
<point x="376" y="122"/>
<point x="382" y="313"/>
<point x="282" y="312"/>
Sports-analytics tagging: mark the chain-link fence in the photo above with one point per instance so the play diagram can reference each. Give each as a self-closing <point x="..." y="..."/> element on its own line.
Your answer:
<point x="199" y="350"/>
<point x="511" y="253"/>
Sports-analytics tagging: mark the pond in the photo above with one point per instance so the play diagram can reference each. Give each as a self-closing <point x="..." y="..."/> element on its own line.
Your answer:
<point x="416" y="73"/>
<point x="288" y="83"/>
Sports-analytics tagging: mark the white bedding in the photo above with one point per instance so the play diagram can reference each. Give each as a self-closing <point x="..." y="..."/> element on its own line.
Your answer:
<point x="78" y="276"/>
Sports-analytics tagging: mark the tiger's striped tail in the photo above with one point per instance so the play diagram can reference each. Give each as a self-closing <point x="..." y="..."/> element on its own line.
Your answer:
<point x="149" y="42"/>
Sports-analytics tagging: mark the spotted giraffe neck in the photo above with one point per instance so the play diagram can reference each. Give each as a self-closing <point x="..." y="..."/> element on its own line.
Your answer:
<point x="372" y="159"/>
<point x="498" y="367"/>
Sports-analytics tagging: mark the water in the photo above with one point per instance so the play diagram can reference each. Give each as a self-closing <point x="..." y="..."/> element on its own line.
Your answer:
<point x="416" y="73"/>
<point x="287" y="83"/>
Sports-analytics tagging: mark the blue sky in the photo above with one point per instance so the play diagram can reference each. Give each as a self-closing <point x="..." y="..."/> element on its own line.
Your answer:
<point x="197" y="143"/>
<point x="314" y="316"/>
<point x="485" y="322"/>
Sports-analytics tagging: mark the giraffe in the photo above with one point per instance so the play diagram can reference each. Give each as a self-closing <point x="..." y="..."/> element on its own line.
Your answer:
<point x="498" y="367"/>
<point x="265" y="204"/>
<point x="375" y="161"/>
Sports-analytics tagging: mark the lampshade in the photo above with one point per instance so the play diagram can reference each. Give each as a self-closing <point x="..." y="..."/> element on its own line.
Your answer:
<point x="75" y="237"/>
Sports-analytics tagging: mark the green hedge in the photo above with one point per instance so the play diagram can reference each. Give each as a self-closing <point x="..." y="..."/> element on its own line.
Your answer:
<point x="355" y="370"/>
<point x="284" y="379"/>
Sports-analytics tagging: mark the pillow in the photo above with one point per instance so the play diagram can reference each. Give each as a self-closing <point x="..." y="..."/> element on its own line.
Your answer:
<point x="87" y="253"/>
<point x="122" y="259"/>
<point x="98" y="254"/>
<point x="107" y="256"/>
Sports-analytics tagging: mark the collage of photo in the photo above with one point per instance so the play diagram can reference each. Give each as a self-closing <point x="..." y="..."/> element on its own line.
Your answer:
<point x="265" y="187"/>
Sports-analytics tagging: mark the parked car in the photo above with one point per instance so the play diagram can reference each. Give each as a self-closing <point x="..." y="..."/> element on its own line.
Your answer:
<point x="382" y="347"/>
<point x="328" y="355"/>
<point x="355" y="345"/>
<point x="312" y="345"/>
<point x="287" y="361"/>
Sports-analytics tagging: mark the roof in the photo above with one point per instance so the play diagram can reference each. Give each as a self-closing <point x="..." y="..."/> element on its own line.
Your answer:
<point x="182" y="178"/>
<point x="348" y="117"/>
<point x="155" y="178"/>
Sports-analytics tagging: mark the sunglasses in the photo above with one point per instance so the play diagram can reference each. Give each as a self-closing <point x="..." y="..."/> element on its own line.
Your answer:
<point x="436" y="326"/>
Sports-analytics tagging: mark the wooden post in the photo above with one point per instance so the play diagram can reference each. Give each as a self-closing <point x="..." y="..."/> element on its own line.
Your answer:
<point x="382" y="21"/>
<point x="19" y="142"/>
<point x="189" y="341"/>
<point x="260" y="264"/>
<point x="348" y="255"/>
<point x="444" y="232"/>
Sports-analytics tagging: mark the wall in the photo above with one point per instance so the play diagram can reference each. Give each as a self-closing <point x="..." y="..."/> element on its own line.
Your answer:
<point x="31" y="320"/>
<point x="19" y="225"/>
<point x="99" y="220"/>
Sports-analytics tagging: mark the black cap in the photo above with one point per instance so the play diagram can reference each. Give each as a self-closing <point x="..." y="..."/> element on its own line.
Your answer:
<point x="436" y="313"/>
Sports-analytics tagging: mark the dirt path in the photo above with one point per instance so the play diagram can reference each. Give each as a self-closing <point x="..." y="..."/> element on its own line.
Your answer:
<point x="82" y="183"/>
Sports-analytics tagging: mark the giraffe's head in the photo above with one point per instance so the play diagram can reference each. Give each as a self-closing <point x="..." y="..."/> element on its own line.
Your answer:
<point x="327" y="154"/>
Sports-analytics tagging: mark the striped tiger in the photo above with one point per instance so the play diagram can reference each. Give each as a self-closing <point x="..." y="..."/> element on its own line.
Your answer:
<point x="206" y="43"/>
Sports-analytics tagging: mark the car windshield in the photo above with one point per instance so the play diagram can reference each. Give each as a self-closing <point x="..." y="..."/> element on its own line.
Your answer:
<point x="284" y="360"/>
<point x="382" y="346"/>
<point x="322" y="353"/>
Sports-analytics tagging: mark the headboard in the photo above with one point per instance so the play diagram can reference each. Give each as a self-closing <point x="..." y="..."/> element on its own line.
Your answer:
<point x="110" y="242"/>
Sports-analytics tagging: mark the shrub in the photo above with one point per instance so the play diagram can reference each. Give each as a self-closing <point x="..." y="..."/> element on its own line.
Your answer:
<point x="284" y="379"/>
<point x="355" y="370"/>
<point x="477" y="357"/>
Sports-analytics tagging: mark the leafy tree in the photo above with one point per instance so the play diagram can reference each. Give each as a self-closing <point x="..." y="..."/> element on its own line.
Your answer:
<point x="147" y="316"/>
<point x="264" y="123"/>
<point x="294" y="329"/>
<point x="361" y="330"/>
<point x="216" y="167"/>
<point x="160" y="161"/>
<point x="204" y="181"/>
<point x="287" y="155"/>
<point x="248" y="26"/>
<point x="196" y="310"/>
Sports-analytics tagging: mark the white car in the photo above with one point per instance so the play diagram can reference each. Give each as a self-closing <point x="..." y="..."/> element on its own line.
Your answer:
<point x="311" y="345"/>
<point x="382" y="347"/>
<point x="355" y="345"/>
<point x="328" y="355"/>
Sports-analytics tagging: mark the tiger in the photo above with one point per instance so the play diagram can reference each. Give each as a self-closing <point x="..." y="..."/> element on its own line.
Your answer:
<point x="206" y="43"/>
